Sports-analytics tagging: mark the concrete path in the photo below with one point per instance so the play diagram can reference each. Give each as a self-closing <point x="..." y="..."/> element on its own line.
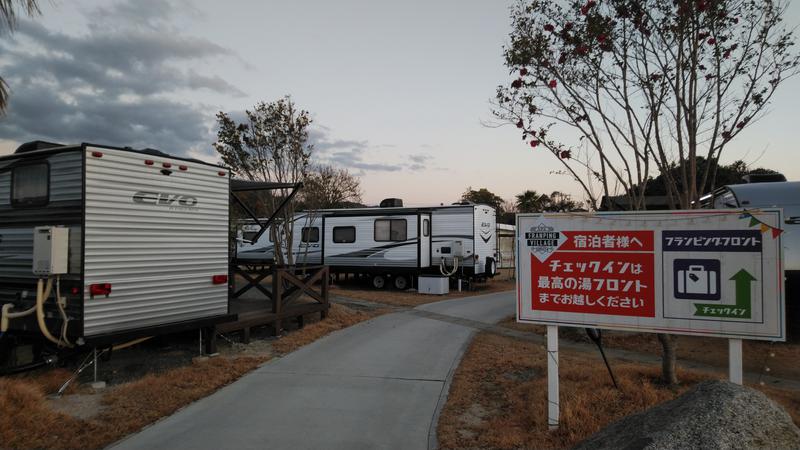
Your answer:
<point x="377" y="384"/>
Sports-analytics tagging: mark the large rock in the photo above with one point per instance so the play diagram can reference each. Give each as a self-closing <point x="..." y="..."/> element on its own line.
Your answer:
<point x="712" y="415"/>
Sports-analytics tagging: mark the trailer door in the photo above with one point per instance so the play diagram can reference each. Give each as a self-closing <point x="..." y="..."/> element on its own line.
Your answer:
<point x="424" y="240"/>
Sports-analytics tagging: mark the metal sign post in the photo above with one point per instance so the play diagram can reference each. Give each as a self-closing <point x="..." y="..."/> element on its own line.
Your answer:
<point x="735" y="361"/>
<point x="552" y="377"/>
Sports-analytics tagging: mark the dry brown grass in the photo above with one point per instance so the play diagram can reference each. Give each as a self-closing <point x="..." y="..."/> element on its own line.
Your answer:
<point x="339" y="317"/>
<point x="29" y="422"/>
<point x="498" y="396"/>
<point x="712" y="351"/>
<point x="412" y="299"/>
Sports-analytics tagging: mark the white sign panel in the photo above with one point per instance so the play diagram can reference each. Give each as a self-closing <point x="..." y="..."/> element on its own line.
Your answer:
<point x="698" y="272"/>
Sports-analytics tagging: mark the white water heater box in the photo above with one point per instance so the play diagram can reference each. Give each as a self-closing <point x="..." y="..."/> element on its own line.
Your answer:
<point x="433" y="285"/>
<point x="50" y="250"/>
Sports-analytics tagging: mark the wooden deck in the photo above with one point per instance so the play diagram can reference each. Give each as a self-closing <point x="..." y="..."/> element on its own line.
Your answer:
<point x="271" y="296"/>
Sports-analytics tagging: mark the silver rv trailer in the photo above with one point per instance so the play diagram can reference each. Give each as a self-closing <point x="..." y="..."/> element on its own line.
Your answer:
<point x="390" y="242"/>
<point x="784" y="195"/>
<point x="100" y="243"/>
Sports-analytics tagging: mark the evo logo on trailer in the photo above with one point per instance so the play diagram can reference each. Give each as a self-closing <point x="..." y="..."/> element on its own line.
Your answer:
<point x="177" y="202"/>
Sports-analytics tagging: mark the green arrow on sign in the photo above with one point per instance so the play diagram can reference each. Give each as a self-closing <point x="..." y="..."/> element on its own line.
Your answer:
<point x="743" y="307"/>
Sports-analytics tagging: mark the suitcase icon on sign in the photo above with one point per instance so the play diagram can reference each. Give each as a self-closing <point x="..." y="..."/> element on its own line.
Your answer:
<point x="697" y="279"/>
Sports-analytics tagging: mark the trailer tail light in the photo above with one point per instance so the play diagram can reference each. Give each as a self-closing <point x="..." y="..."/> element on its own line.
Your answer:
<point x="149" y="162"/>
<point x="221" y="173"/>
<point x="219" y="279"/>
<point x="166" y="165"/>
<point x="75" y="291"/>
<point x="183" y="167"/>
<point x="97" y="154"/>
<point x="100" y="289"/>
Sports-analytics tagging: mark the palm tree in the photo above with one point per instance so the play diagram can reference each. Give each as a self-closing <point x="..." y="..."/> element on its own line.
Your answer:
<point x="8" y="19"/>
<point x="532" y="201"/>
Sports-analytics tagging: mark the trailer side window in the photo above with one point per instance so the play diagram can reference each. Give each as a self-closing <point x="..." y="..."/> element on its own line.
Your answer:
<point x="426" y="227"/>
<point x="249" y="235"/>
<point x="310" y="234"/>
<point x="390" y="230"/>
<point x="344" y="235"/>
<point x="30" y="185"/>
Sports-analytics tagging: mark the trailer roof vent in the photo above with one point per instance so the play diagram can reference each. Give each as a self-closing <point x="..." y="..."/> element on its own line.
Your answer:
<point x="763" y="177"/>
<point x="392" y="203"/>
<point x="463" y="202"/>
<point x="36" y="145"/>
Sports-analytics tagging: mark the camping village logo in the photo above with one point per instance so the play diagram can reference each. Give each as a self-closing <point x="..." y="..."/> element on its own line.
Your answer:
<point x="543" y="240"/>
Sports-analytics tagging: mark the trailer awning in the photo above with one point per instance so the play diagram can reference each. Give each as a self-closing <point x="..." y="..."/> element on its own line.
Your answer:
<point x="247" y="185"/>
<point x="251" y="186"/>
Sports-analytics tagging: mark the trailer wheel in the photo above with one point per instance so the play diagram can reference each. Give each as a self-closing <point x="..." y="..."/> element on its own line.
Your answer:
<point x="400" y="282"/>
<point x="491" y="267"/>
<point x="378" y="281"/>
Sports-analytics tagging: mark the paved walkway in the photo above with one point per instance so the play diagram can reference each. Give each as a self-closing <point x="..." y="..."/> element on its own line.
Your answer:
<point x="377" y="384"/>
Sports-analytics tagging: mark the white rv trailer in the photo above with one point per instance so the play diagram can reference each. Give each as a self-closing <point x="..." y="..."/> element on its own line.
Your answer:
<point x="100" y="243"/>
<point x="784" y="195"/>
<point x="388" y="243"/>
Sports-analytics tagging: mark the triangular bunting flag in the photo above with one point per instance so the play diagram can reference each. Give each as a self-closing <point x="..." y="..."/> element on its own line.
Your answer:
<point x="764" y="227"/>
<point x="754" y="222"/>
<point x="776" y="232"/>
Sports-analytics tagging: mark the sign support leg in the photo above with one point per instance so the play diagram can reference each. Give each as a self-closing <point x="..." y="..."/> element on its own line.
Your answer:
<point x="552" y="377"/>
<point x="735" y="360"/>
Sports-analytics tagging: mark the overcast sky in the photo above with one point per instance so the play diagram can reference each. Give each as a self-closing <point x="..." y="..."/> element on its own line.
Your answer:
<point x="398" y="89"/>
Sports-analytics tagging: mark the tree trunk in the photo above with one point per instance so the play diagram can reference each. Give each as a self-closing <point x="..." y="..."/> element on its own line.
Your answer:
<point x="669" y="347"/>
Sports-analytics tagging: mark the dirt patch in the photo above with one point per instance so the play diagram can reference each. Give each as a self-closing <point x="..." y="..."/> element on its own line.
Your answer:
<point x="360" y="289"/>
<point x="777" y="359"/>
<point x="505" y="378"/>
<point x="164" y="380"/>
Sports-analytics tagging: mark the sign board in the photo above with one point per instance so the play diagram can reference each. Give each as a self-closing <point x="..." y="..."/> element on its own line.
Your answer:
<point x="698" y="272"/>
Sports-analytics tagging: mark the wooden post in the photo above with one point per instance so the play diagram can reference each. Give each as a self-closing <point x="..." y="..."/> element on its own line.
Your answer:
<point x="552" y="377"/>
<point x="325" y="281"/>
<point x="277" y="298"/>
<point x="735" y="361"/>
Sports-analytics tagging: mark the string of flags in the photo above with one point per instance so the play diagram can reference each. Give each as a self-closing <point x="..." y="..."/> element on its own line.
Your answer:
<point x="762" y="226"/>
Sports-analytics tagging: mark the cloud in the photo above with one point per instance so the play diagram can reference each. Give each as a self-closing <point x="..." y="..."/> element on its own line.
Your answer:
<point x="358" y="155"/>
<point x="114" y="84"/>
<point x="419" y="161"/>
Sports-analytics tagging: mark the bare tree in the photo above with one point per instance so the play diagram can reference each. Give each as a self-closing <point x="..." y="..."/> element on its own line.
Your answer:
<point x="271" y="146"/>
<point x="621" y="90"/>
<point x="8" y="20"/>
<point x="329" y="187"/>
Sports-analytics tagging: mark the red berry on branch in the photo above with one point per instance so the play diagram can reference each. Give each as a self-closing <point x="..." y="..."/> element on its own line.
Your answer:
<point x="520" y="124"/>
<point x="523" y="72"/>
<point x="534" y="143"/>
<point x="740" y="125"/>
<point x="552" y="84"/>
<point x="516" y="84"/>
<point x="549" y="27"/>
<point x="566" y="154"/>
<point x="726" y="135"/>
<point x="712" y="41"/>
